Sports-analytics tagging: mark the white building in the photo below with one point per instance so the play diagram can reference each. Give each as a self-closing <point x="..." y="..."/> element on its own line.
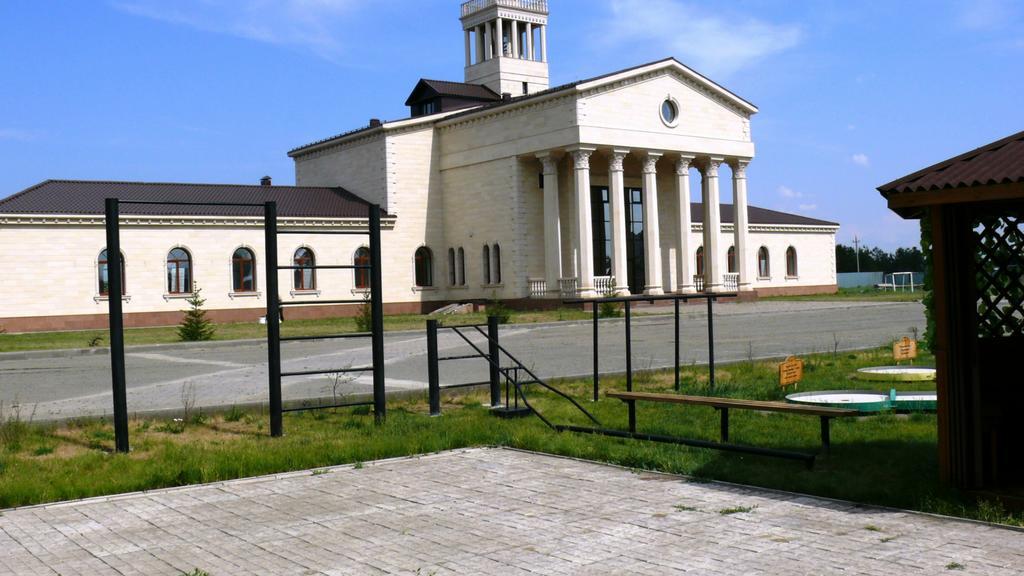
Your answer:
<point x="496" y="187"/>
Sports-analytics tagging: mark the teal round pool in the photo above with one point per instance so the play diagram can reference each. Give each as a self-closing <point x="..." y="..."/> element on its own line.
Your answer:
<point x="868" y="400"/>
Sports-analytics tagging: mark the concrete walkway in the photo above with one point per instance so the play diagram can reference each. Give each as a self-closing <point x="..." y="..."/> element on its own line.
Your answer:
<point x="490" y="511"/>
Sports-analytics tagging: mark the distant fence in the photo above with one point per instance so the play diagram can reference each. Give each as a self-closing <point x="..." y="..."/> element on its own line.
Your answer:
<point x="859" y="279"/>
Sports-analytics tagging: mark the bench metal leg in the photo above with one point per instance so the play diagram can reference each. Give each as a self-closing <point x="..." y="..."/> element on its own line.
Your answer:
<point x="724" y="423"/>
<point x="826" y="441"/>
<point x="632" y="415"/>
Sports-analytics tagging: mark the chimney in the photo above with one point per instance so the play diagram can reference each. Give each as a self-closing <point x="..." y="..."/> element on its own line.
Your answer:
<point x="265" y="181"/>
<point x="375" y="123"/>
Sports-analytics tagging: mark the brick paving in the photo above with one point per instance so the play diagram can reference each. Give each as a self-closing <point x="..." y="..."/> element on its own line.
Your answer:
<point x="490" y="511"/>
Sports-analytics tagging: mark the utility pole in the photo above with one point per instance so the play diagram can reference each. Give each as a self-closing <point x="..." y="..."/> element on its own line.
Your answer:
<point x="856" y="250"/>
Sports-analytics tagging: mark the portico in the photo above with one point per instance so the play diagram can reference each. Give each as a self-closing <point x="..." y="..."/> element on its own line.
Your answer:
<point x="631" y="223"/>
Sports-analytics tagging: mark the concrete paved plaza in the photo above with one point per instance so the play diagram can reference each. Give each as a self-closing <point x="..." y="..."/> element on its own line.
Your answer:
<point x="490" y="511"/>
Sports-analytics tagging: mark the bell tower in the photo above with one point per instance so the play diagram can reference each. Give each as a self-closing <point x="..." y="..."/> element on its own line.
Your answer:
<point x="506" y="44"/>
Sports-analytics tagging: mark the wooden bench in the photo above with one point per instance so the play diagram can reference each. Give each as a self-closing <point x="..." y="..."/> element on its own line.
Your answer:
<point x="723" y="405"/>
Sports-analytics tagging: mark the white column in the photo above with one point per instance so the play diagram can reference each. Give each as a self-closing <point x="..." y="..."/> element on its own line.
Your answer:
<point x="652" y="239"/>
<point x="712" y="226"/>
<point x="684" y="222"/>
<point x="529" y="40"/>
<point x="468" y="51"/>
<point x="543" y="43"/>
<point x="618" y="200"/>
<point x="515" y="39"/>
<point x="741" y="223"/>
<point x="552" y="228"/>
<point x="499" y="39"/>
<point x="488" y="41"/>
<point x="585" y="237"/>
<point x="478" y="34"/>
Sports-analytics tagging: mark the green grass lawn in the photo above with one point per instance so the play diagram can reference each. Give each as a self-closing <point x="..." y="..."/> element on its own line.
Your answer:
<point x="886" y="459"/>
<point x="246" y="330"/>
<point x="858" y="294"/>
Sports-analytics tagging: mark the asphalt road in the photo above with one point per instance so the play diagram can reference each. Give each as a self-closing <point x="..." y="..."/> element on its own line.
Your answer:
<point x="59" y="385"/>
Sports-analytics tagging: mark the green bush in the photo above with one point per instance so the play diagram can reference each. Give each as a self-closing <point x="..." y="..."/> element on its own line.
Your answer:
<point x="364" y="318"/>
<point x="499" y="310"/>
<point x="609" y="310"/>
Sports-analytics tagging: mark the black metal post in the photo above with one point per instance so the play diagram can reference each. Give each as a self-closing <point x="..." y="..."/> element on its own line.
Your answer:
<point x="495" y="363"/>
<point x="711" y="347"/>
<point x="115" y="288"/>
<point x="724" y="424"/>
<point x="596" y="354"/>
<point x="678" y="385"/>
<point x="433" y="380"/>
<point x="377" y="316"/>
<point x="629" y="369"/>
<point x="273" y="318"/>
<point x="826" y="439"/>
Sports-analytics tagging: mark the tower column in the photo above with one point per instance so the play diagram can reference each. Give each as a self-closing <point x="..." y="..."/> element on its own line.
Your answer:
<point x="529" y="41"/>
<point x="684" y="222"/>
<point x="552" y="228"/>
<point x="479" y="37"/>
<point x="652" y="239"/>
<point x="616" y="190"/>
<point x="468" y="51"/>
<point x="488" y="41"/>
<point x="741" y="223"/>
<point x="515" y="39"/>
<point x="543" y="43"/>
<point x="585" y="237"/>
<point x="712" y="226"/>
<point x="499" y="39"/>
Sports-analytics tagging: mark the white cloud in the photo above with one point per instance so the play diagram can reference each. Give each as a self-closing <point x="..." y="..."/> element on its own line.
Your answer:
<point x="314" y="24"/>
<point x="713" y="42"/>
<point x="860" y="159"/>
<point x="787" y="192"/>
<point x="17" y="135"/>
<point x="986" y="14"/>
<point x="808" y="207"/>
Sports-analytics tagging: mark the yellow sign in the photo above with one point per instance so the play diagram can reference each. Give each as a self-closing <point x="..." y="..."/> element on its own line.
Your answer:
<point x="904" y="349"/>
<point x="791" y="371"/>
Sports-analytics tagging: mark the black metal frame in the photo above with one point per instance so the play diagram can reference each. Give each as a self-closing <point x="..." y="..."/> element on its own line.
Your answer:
<point x="274" y="306"/>
<point x="497" y="371"/>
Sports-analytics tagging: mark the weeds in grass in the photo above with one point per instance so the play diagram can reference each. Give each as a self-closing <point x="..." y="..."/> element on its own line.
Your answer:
<point x="736" y="510"/>
<point x="358" y="466"/>
<point x="42" y="451"/>
<point x="609" y="310"/>
<point x="196" y="572"/>
<point x="188" y="400"/>
<point x="336" y="380"/>
<point x="95" y="341"/>
<point x="173" y="426"/>
<point x="13" y="430"/>
<point x="685" y="508"/>
<point x="872" y="528"/>
<point x="234" y="414"/>
<point x="955" y="566"/>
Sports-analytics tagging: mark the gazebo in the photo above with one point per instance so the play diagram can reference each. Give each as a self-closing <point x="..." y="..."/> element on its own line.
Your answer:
<point x="971" y="209"/>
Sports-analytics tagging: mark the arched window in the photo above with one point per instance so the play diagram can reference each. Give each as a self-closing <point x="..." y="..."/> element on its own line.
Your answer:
<point x="243" y="271"/>
<point x="732" y="259"/>
<point x="424" y="266"/>
<point x="179" y="271"/>
<point x="362" y="258"/>
<point x="452" y="280"/>
<point x="700" y="261"/>
<point x="305" y="274"/>
<point x="462" y="266"/>
<point x="104" y="274"/>
<point x="791" y="269"/>
<point x="496" y="264"/>
<point x="487" y="264"/>
<point x="763" y="265"/>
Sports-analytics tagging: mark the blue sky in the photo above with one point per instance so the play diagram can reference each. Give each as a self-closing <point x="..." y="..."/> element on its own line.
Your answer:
<point x="852" y="94"/>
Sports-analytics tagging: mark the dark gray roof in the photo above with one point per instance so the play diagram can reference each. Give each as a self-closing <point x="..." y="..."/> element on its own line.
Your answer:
<point x="87" y="196"/>
<point x="1001" y="162"/>
<point x="426" y="89"/>
<point x="759" y="216"/>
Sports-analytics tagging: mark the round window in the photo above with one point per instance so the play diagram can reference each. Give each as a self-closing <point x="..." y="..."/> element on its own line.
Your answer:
<point x="669" y="112"/>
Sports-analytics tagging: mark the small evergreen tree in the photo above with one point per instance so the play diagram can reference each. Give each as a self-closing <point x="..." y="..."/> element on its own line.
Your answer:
<point x="364" y="317"/>
<point x="195" y="325"/>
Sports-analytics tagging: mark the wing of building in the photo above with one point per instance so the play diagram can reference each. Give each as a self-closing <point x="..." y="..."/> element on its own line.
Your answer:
<point x="497" y="187"/>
